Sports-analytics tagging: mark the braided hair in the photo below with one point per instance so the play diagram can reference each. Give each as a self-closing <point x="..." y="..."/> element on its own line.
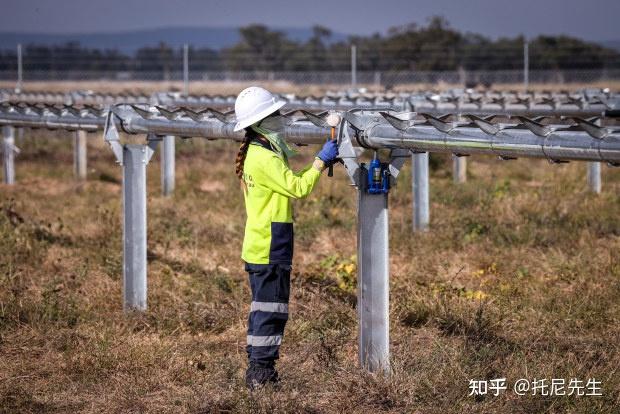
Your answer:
<point x="250" y="134"/>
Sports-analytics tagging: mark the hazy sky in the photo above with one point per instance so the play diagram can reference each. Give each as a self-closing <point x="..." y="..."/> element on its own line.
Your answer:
<point x="589" y="19"/>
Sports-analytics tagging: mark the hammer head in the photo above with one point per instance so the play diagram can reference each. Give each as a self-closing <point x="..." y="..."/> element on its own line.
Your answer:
<point x="333" y="119"/>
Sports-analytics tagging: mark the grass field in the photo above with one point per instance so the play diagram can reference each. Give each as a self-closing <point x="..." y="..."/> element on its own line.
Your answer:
<point x="519" y="277"/>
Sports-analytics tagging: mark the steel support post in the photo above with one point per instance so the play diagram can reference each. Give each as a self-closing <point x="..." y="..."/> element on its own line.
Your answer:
<point x="594" y="177"/>
<point x="419" y="178"/>
<point x="373" y="271"/>
<point x="373" y="278"/>
<point x="133" y="158"/>
<point x="79" y="155"/>
<point x="459" y="169"/>
<point x="167" y="165"/>
<point x="8" y="154"/>
<point x="134" y="227"/>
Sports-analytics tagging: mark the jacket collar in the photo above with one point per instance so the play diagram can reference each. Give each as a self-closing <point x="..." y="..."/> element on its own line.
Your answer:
<point x="265" y="144"/>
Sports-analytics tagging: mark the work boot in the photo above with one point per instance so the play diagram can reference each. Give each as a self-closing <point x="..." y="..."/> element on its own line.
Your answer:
<point x="259" y="374"/>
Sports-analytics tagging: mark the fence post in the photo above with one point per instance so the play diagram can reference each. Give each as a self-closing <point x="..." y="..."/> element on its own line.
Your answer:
<point x="18" y="86"/>
<point x="186" y="69"/>
<point x="79" y="155"/>
<point x="373" y="272"/>
<point x="167" y="160"/>
<point x="419" y="175"/>
<point x="462" y="76"/>
<point x="353" y="66"/>
<point x="8" y="154"/>
<point x="459" y="169"/>
<point x="526" y="65"/>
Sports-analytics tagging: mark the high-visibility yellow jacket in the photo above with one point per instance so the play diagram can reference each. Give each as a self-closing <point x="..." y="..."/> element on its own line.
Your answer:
<point x="270" y="186"/>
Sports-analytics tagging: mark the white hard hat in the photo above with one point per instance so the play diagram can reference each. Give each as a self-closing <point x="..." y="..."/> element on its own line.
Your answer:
<point x="253" y="104"/>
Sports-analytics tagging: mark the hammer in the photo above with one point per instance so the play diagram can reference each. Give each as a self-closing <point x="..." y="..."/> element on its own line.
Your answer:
<point x="333" y="120"/>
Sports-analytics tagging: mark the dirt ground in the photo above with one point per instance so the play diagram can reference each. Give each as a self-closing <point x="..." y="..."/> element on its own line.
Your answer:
<point x="519" y="277"/>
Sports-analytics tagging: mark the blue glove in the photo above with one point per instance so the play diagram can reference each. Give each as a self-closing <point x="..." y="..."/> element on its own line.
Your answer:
<point x="329" y="153"/>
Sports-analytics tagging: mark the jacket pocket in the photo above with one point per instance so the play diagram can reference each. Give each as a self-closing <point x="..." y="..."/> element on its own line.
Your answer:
<point x="281" y="248"/>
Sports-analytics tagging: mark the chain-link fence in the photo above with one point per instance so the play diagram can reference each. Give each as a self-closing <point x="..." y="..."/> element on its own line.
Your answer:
<point x="384" y="67"/>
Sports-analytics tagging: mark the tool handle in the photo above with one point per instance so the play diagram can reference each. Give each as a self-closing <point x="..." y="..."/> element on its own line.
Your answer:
<point x="330" y="170"/>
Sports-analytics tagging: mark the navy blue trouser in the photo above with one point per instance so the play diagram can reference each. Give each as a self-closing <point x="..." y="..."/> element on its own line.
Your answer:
<point x="270" y="284"/>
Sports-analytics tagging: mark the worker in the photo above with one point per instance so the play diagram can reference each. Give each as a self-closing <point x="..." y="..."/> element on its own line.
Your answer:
<point x="268" y="186"/>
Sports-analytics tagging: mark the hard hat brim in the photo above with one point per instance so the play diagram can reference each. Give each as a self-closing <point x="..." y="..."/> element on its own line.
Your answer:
<point x="258" y="116"/>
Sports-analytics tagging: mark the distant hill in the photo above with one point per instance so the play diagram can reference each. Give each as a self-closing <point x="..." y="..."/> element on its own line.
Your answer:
<point x="612" y="44"/>
<point x="130" y="41"/>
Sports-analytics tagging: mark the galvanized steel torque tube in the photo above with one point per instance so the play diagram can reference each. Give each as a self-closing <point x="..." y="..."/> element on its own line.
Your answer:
<point x="577" y="140"/>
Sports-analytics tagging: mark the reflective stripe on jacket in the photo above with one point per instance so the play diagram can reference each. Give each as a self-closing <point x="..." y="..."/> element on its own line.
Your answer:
<point x="270" y="186"/>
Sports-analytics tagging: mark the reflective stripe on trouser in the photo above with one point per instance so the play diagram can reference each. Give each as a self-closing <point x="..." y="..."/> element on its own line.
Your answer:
<point x="270" y="284"/>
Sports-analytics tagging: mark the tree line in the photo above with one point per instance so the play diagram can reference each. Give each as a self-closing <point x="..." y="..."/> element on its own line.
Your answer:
<point x="432" y="47"/>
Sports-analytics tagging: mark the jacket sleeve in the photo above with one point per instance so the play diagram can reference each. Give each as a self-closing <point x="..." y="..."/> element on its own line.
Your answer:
<point x="303" y="170"/>
<point x="278" y="177"/>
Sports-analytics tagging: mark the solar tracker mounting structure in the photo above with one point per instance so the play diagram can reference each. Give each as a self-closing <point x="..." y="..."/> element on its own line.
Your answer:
<point x="575" y="139"/>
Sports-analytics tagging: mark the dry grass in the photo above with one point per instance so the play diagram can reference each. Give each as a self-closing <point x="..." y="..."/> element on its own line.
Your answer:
<point x="233" y="88"/>
<point x="519" y="277"/>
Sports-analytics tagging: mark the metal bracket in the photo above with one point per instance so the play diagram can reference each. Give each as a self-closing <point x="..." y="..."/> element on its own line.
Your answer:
<point x="10" y="147"/>
<point x="110" y="135"/>
<point x="9" y="144"/>
<point x="398" y="156"/>
<point x="350" y="156"/>
<point x="347" y="153"/>
<point x="152" y="141"/>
